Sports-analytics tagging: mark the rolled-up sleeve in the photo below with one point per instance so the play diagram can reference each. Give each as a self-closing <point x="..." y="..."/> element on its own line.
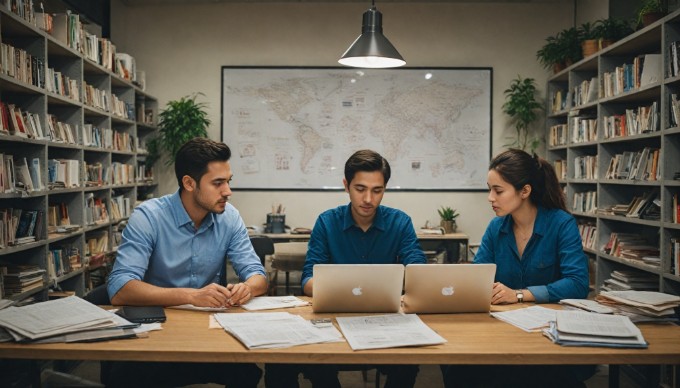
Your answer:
<point x="241" y="254"/>
<point x="132" y="258"/>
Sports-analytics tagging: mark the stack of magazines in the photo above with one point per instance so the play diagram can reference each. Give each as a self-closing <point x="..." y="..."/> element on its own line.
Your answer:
<point x="641" y="304"/>
<point x="70" y="319"/>
<point x="580" y="328"/>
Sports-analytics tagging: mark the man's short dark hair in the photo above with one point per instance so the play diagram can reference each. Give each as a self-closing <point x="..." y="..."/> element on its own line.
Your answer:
<point x="193" y="157"/>
<point x="367" y="161"/>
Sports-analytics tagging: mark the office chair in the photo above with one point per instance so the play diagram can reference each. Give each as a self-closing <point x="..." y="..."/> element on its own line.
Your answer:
<point x="263" y="246"/>
<point x="289" y="256"/>
<point x="98" y="295"/>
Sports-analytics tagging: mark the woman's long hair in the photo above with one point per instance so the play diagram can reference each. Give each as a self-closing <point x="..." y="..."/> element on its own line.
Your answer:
<point x="519" y="168"/>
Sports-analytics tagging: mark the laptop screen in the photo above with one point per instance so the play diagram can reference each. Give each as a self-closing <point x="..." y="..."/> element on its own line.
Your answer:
<point x="357" y="288"/>
<point x="448" y="288"/>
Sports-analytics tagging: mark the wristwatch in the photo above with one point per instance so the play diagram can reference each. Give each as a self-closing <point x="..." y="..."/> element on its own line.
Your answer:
<point x="520" y="296"/>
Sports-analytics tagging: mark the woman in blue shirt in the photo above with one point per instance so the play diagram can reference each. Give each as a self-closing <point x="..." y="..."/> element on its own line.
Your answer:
<point x="536" y="246"/>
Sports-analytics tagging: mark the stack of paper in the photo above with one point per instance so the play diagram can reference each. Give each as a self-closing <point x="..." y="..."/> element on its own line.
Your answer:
<point x="531" y="319"/>
<point x="639" y="304"/>
<point x="57" y="320"/>
<point x="579" y="328"/>
<point x="273" y="302"/>
<point x="387" y="331"/>
<point x="275" y="330"/>
<point x="588" y="305"/>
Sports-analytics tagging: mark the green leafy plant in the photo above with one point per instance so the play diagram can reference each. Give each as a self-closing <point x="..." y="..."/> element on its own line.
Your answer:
<point x="612" y="29"/>
<point x="550" y="54"/>
<point x="563" y="48"/>
<point x="587" y="30"/>
<point x="650" y="7"/>
<point x="522" y="107"/>
<point x="180" y="121"/>
<point x="447" y="213"/>
<point x="570" y="42"/>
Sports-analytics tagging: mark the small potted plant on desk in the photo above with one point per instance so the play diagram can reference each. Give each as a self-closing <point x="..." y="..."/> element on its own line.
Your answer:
<point x="448" y="219"/>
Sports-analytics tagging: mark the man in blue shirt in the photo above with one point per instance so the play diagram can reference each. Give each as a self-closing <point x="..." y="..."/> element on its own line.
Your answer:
<point x="173" y="253"/>
<point x="362" y="232"/>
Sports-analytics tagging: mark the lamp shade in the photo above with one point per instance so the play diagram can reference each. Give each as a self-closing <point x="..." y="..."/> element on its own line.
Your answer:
<point x="372" y="49"/>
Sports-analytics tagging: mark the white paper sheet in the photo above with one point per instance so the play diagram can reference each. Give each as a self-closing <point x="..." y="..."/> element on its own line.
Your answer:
<point x="387" y="331"/>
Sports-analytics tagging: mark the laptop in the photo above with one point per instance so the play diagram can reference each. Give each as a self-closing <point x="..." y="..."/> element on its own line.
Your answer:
<point x="357" y="288"/>
<point x="448" y="288"/>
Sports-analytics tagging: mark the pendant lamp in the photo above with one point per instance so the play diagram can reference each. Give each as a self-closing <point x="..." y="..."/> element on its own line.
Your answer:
<point x="372" y="49"/>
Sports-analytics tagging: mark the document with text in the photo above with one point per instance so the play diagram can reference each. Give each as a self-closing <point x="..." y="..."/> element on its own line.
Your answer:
<point x="387" y="331"/>
<point x="273" y="302"/>
<point x="275" y="330"/>
<point x="530" y="319"/>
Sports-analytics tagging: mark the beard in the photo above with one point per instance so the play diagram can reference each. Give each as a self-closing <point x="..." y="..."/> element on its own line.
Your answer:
<point x="212" y="207"/>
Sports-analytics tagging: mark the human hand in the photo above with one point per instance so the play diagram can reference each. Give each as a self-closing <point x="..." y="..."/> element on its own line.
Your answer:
<point x="240" y="294"/>
<point x="212" y="295"/>
<point x="502" y="294"/>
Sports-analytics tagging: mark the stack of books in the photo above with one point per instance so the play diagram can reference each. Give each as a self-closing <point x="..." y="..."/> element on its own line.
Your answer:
<point x="22" y="278"/>
<point x="631" y="280"/>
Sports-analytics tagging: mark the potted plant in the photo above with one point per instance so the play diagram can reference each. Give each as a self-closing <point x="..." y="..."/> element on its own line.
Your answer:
<point x="180" y="121"/>
<point x="550" y="55"/>
<point x="448" y="219"/>
<point x="610" y="30"/>
<point x="560" y="50"/>
<point x="569" y="41"/>
<point x="522" y="107"/>
<point x="589" y="39"/>
<point x="651" y="11"/>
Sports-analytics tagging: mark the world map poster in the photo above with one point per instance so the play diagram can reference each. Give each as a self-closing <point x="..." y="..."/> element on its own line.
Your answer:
<point x="294" y="128"/>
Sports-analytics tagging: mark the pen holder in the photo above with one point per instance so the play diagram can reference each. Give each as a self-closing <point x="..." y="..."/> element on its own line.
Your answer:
<point x="275" y="223"/>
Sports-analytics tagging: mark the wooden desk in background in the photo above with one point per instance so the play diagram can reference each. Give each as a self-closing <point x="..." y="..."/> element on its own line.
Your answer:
<point x="472" y="339"/>
<point x="428" y="242"/>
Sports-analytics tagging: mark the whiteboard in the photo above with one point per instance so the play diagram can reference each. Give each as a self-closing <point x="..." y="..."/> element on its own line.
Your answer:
<point x="293" y="128"/>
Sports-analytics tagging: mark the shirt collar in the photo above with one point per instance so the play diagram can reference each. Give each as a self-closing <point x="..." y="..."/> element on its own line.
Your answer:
<point x="182" y="217"/>
<point x="540" y="223"/>
<point x="348" y="221"/>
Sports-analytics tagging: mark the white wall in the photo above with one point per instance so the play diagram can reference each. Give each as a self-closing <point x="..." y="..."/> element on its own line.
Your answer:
<point x="182" y="49"/>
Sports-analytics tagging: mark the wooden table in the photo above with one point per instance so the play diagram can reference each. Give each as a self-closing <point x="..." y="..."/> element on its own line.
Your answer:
<point x="472" y="339"/>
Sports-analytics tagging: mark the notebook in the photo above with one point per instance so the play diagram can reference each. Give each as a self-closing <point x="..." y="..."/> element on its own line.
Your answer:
<point x="448" y="288"/>
<point x="357" y="288"/>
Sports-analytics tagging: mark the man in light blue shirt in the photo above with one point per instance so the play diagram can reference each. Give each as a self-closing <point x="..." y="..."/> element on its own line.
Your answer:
<point x="173" y="252"/>
<point x="363" y="232"/>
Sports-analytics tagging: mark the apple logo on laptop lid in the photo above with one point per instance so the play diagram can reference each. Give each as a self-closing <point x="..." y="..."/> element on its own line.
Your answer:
<point x="447" y="291"/>
<point x="356" y="291"/>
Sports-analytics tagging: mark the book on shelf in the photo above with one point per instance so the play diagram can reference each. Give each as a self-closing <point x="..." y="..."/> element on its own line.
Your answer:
<point x="23" y="176"/>
<point x="36" y="174"/>
<point x="651" y="70"/>
<point x="674" y="253"/>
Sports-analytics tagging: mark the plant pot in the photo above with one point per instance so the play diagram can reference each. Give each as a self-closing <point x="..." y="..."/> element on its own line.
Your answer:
<point x="651" y="17"/>
<point x="605" y="43"/>
<point x="589" y="47"/>
<point x="449" y="226"/>
<point x="557" y="67"/>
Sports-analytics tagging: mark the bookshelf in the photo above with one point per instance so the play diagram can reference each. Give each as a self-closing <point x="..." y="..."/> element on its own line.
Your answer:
<point x="84" y="149"/>
<point x="628" y="245"/>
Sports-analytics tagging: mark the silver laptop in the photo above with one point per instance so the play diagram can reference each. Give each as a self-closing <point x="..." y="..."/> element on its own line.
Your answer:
<point x="448" y="288"/>
<point x="357" y="288"/>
